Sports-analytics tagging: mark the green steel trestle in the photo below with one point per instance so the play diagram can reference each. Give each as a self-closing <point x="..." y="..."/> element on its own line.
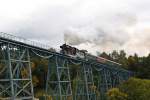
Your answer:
<point x="67" y="78"/>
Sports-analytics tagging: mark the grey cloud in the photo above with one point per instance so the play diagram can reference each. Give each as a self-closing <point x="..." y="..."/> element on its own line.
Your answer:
<point x="102" y="23"/>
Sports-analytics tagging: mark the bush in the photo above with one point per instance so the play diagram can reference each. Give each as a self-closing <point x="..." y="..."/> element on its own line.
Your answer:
<point x="133" y="89"/>
<point x="116" y="94"/>
<point x="137" y="89"/>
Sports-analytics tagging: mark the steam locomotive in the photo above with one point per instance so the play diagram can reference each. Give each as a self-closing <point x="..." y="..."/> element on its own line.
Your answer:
<point x="73" y="52"/>
<point x="83" y="54"/>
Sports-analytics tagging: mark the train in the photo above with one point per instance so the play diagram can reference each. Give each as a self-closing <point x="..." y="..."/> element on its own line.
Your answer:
<point x="83" y="54"/>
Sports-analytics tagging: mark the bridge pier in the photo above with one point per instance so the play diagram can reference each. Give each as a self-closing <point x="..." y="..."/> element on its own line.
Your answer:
<point x="58" y="84"/>
<point x="16" y="73"/>
<point x="89" y="83"/>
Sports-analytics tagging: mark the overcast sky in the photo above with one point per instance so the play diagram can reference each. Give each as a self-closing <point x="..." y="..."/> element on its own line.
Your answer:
<point x="95" y="25"/>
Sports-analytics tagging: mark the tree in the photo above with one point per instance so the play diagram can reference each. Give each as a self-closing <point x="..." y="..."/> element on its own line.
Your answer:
<point x="116" y="94"/>
<point x="114" y="55"/>
<point x="122" y="58"/>
<point x="145" y="69"/>
<point x="105" y="55"/>
<point x="134" y="64"/>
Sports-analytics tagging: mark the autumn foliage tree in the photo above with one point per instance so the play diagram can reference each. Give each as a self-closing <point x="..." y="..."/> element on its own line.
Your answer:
<point x="133" y="89"/>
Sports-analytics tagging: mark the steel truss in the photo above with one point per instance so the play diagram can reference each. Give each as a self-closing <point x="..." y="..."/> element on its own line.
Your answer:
<point x="84" y="83"/>
<point x="105" y="78"/>
<point x="90" y="82"/>
<point x="15" y="73"/>
<point x="58" y="79"/>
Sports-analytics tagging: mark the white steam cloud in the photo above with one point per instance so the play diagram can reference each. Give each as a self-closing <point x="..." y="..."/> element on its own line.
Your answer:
<point x="103" y="35"/>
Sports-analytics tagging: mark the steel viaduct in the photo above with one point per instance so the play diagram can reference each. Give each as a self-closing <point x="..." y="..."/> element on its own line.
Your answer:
<point x="92" y="79"/>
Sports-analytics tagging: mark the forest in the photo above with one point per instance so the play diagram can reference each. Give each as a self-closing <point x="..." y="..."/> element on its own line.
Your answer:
<point x="139" y="65"/>
<point x="137" y="88"/>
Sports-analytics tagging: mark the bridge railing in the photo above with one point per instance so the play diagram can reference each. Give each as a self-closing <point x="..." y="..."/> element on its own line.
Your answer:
<point x="23" y="40"/>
